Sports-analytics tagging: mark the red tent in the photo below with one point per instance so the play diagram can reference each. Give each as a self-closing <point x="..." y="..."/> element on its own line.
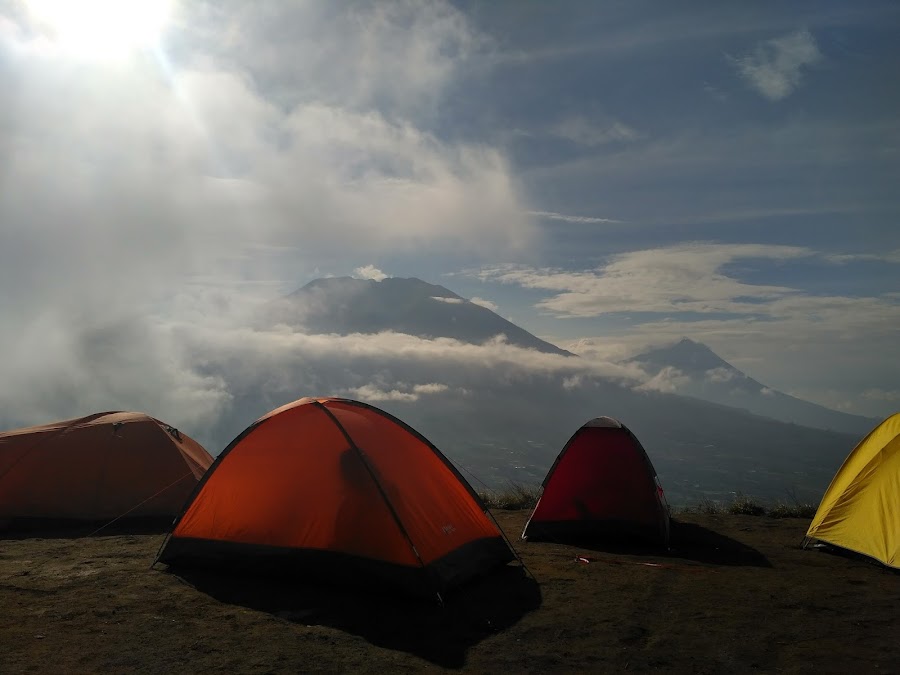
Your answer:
<point x="111" y="465"/>
<point x="339" y="489"/>
<point x="602" y="484"/>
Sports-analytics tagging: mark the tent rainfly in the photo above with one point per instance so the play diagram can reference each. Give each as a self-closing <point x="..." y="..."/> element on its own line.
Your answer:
<point x="338" y="489"/>
<point x="602" y="485"/>
<point x="860" y="510"/>
<point x="107" y="466"/>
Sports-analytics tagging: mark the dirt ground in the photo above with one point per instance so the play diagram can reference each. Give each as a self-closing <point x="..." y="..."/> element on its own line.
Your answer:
<point x="736" y="594"/>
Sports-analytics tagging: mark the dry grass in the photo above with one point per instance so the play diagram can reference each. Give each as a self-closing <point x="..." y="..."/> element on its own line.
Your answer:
<point x="734" y="594"/>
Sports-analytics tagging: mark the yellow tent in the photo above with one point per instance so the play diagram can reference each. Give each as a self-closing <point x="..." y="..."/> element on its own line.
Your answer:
<point x="861" y="508"/>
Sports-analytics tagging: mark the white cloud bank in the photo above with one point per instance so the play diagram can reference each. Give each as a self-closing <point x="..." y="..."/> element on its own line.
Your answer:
<point x="148" y="194"/>
<point x="775" y="67"/>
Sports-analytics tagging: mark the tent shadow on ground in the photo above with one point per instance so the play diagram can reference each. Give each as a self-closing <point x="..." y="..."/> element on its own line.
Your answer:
<point x="688" y="541"/>
<point x="695" y="542"/>
<point x="439" y="634"/>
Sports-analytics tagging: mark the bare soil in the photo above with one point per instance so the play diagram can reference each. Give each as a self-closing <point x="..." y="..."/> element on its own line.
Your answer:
<point x="736" y="594"/>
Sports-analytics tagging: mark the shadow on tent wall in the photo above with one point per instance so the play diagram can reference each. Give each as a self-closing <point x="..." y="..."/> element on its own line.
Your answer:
<point x="441" y="635"/>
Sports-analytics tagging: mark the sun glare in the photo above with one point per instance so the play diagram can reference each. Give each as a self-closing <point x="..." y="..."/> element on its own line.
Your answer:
<point x="102" y="29"/>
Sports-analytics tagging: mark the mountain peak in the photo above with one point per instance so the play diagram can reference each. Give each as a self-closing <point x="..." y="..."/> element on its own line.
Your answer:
<point x="686" y="355"/>
<point x="347" y="305"/>
<point x="395" y="284"/>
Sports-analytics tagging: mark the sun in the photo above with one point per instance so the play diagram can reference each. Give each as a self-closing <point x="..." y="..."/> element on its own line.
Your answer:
<point x="102" y="29"/>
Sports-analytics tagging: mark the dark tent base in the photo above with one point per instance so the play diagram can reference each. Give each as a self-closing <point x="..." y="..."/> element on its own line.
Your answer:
<point x="595" y="532"/>
<point x="833" y="549"/>
<point x="312" y="565"/>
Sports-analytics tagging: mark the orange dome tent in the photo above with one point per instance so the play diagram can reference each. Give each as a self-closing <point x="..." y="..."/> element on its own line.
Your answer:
<point x="602" y="484"/>
<point x="335" y="488"/>
<point x="97" y="468"/>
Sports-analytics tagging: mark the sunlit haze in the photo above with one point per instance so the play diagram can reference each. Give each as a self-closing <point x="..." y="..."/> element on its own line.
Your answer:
<point x="101" y="29"/>
<point x="607" y="176"/>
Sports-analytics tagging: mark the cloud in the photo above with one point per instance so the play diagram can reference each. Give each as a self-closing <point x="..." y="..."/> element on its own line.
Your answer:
<point x="397" y="56"/>
<point x="774" y="68"/>
<point x="184" y="187"/>
<point x="668" y="380"/>
<point x="888" y="257"/>
<point x="876" y="394"/>
<point x="604" y="349"/>
<point x="572" y="382"/>
<point x="449" y="301"/>
<point x="370" y="272"/>
<point x="430" y="388"/>
<point x="487" y="304"/>
<point x="591" y="134"/>
<point x="161" y="170"/>
<point x="372" y="392"/>
<point x="683" y="278"/>
<point x="549" y="215"/>
<point x="719" y="375"/>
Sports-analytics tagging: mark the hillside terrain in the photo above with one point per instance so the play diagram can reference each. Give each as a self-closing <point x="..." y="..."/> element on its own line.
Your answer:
<point x="735" y="594"/>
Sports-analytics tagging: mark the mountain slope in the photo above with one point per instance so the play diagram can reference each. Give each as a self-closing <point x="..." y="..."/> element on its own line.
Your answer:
<point x="703" y="374"/>
<point x="345" y="305"/>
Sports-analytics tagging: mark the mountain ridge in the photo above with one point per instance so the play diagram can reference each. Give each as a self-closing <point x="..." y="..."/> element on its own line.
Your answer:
<point x="711" y="378"/>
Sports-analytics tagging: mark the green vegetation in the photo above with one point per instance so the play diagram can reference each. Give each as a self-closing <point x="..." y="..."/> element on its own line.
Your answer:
<point x="748" y="506"/>
<point x="795" y="510"/>
<point x="745" y="506"/>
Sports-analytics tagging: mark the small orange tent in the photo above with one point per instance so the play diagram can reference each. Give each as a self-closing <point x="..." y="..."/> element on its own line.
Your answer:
<point x="602" y="485"/>
<point x="340" y="489"/>
<point x="97" y="468"/>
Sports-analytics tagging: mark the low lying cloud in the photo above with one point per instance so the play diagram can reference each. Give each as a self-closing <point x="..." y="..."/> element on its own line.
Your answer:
<point x="668" y="380"/>
<point x="370" y="272"/>
<point x="487" y="304"/>
<point x="403" y="392"/>
<point x="213" y="376"/>
<point x="775" y="67"/>
<point x="449" y="301"/>
<point x="890" y="395"/>
<point x="719" y="375"/>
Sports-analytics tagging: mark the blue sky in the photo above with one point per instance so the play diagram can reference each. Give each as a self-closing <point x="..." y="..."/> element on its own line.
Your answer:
<point x="608" y="174"/>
